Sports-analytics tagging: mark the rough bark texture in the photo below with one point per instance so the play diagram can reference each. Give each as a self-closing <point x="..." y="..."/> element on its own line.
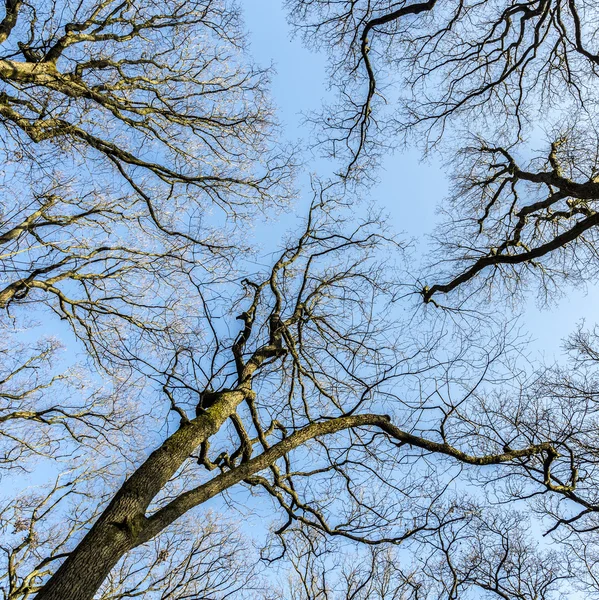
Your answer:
<point x="117" y="530"/>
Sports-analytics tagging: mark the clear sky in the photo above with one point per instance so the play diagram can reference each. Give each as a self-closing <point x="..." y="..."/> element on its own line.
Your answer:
<point x="408" y="189"/>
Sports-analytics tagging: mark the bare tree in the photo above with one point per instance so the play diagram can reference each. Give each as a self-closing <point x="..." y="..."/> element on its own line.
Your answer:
<point x="286" y="406"/>
<point x="523" y="222"/>
<point x="47" y="412"/>
<point x="299" y="382"/>
<point x="483" y="554"/>
<point x="135" y="137"/>
<point x="154" y="89"/>
<point x="204" y="558"/>
<point x="36" y="527"/>
<point x="318" y="571"/>
<point x="500" y="65"/>
<point x="491" y="72"/>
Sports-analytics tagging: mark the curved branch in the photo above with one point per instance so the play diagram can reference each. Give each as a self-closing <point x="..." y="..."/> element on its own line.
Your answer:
<point x="176" y="508"/>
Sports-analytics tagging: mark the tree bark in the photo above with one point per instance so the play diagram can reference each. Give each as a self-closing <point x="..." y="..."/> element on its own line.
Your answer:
<point x="118" y="528"/>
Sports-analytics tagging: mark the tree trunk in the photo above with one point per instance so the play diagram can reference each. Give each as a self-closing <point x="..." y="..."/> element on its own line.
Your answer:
<point x="82" y="574"/>
<point x="119" y="527"/>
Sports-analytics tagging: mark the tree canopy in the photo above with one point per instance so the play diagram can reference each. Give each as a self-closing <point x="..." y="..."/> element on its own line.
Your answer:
<point x="380" y="410"/>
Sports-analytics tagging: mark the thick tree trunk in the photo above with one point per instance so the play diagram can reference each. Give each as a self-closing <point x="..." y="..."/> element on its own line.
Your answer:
<point x="82" y="574"/>
<point x="119" y="527"/>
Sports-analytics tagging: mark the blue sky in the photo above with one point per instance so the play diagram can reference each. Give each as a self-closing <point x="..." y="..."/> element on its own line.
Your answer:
<point x="409" y="190"/>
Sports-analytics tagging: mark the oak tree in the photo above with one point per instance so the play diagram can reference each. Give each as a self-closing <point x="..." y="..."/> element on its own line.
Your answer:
<point x="138" y="144"/>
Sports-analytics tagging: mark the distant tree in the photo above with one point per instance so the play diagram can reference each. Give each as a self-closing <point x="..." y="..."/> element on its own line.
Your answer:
<point x="46" y="411"/>
<point x="490" y="555"/>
